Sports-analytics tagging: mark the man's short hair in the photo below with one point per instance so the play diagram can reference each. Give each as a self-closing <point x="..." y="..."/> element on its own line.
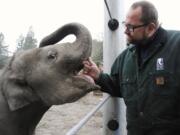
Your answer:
<point x="149" y="12"/>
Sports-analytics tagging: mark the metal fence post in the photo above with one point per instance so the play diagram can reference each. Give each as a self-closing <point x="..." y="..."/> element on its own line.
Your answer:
<point x="114" y="43"/>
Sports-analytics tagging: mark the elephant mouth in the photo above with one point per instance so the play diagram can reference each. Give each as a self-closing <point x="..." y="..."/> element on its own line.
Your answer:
<point x="79" y="75"/>
<point x="86" y="82"/>
<point x="85" y="77"/>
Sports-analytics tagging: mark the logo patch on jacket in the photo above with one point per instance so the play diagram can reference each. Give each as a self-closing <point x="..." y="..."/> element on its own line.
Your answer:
<point x="160" y="64"/>
<point x="160" y="80"/>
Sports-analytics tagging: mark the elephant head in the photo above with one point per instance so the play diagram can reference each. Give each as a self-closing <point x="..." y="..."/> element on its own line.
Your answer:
<point x="50" y="72"/>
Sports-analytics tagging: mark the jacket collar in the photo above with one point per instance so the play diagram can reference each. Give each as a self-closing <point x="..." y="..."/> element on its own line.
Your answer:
<point x="153" y="46"/>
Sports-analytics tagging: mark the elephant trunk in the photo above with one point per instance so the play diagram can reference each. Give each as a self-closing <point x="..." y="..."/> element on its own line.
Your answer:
<point x="82" y="44"/>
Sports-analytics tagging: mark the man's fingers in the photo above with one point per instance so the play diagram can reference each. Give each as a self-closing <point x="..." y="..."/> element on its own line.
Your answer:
<point x="86" y="63"/>
<point x="91" y="61"/>
<point x="87" y="67"/>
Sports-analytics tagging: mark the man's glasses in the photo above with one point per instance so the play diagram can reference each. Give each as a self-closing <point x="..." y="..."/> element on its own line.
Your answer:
<point x="131" y="27"/>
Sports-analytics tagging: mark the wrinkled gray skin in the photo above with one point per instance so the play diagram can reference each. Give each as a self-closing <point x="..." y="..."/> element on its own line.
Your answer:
<point x="38" y="78"/>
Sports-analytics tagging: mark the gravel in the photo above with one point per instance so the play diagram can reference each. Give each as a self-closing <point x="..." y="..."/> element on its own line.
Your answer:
<point x="58" y="120"/>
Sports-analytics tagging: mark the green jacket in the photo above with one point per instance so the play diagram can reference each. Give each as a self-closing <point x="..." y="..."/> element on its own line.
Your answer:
<point x="151" y="90"/>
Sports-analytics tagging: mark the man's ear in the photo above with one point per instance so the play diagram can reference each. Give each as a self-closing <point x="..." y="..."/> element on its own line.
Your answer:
<point x="151" y="29"/>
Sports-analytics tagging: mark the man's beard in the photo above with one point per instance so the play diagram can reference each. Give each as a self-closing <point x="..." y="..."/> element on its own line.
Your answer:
<point x="141" y="42"/>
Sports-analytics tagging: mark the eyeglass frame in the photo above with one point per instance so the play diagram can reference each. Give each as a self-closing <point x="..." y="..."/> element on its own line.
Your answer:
<point x="131" y="27"/>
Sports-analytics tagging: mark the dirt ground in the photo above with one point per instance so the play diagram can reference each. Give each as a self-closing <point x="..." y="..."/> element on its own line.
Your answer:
<point x="59" y="119"/>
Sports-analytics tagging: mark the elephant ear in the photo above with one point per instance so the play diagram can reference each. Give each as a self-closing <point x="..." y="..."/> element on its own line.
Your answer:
<point x="16" y="91"/>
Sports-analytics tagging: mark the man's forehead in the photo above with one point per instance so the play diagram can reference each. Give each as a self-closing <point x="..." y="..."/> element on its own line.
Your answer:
<point x="134" y="14"/>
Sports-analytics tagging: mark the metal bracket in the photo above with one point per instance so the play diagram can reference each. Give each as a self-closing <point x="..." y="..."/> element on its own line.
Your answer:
<point x="113" y="125"/>
<point x="113" y="23"/>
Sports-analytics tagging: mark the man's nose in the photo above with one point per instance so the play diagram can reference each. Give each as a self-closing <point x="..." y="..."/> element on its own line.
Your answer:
<point x="126" y="31"/>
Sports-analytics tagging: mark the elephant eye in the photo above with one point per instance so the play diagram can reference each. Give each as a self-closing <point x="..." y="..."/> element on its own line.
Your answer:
<point x="52" y="55"/>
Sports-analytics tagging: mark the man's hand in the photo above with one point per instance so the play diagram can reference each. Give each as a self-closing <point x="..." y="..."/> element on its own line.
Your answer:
<point x="91" y="69"/>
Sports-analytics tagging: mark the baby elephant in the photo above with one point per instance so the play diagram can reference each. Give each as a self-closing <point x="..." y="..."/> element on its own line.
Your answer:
<point x="36" y="79"/>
